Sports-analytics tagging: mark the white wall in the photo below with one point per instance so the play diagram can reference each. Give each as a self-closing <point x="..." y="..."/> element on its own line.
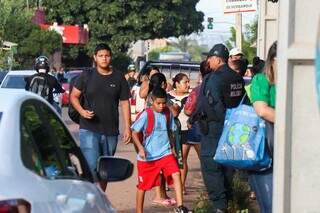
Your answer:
<point x="267" y="26"/>
<point x="297" y="135"/>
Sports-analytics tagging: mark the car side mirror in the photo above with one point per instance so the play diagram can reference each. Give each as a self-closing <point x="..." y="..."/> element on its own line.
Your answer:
<point x="113" y="169"/>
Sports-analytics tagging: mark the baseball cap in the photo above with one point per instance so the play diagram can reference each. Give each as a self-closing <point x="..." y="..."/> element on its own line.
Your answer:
<point x="219" y="50"/>
<point x="235" y="51"/>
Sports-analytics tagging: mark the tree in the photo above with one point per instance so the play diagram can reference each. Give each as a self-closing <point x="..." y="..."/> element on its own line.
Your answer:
<point x="121" y="22"/>
<point x="32" y="41"/>
<point x="190" y="46"/>
<point x="249" y="39"/>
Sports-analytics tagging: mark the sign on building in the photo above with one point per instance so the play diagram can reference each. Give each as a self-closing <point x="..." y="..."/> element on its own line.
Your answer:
<point x="239" y="6"/>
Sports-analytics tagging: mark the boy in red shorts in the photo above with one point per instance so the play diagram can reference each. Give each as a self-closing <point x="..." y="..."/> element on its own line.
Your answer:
<point x="155" y="154"/>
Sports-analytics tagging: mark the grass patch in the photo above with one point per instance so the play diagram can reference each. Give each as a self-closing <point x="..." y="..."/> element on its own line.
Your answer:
<point x="239" y="204"/>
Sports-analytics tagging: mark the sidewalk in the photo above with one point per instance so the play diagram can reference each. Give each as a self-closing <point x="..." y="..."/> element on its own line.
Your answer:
<point x="122" y="194"/>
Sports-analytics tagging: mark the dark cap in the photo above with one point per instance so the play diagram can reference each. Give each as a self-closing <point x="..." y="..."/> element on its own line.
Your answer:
<point x="219" y="50"/>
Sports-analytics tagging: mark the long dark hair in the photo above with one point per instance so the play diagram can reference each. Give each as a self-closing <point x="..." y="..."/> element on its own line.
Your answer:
<point x="156" y="81"/>
<point x="204" y="68"/>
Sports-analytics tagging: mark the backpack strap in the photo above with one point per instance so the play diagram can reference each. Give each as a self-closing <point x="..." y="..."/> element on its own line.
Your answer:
<point x="150" y="122"/>
<point x="167" y="114"/>
<point x="151" y="119"/>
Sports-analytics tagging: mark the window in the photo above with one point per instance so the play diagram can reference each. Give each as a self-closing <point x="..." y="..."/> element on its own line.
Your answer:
<point x="37" y="150"/>
<point x="68" y="150"/>
<point x="47" y="148"/>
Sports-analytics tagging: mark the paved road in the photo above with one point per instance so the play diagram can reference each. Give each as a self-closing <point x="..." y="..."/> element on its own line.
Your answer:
<point x="122" y="194"/>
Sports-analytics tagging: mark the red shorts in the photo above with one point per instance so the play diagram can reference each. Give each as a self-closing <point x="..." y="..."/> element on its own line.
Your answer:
<point x="149" y="171"/>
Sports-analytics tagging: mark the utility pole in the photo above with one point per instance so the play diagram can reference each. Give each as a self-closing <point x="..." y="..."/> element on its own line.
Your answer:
<point x="239" y="30"/>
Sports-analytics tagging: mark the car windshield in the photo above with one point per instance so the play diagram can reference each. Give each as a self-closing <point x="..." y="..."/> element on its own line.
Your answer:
<point x="14" y="82"/>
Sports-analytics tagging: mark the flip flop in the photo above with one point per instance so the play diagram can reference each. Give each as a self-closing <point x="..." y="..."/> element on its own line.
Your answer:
<point x="164" y="202"/>
<point x="172" y="201"/>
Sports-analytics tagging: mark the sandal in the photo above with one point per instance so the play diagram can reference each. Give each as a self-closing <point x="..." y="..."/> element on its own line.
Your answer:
<point x="164" y="202"/>
<point x="172" y="201"/>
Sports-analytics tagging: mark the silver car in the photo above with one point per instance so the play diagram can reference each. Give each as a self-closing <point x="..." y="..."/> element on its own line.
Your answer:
<point x="42" y="169"/>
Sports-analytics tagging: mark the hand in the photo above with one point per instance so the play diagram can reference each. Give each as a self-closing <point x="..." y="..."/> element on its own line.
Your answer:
<point x="126" y="137"/>
<point x="87" y="114"/>
<point x="189" y="125"/>
<point x="142" y="153"/>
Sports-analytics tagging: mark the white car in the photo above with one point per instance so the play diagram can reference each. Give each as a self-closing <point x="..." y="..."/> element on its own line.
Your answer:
<point x="42" y="169"/>
<point x="15" y="79"/>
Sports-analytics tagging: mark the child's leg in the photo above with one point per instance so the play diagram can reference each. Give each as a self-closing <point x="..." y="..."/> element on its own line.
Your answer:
<point x="177" y="187"/>
<point x="139" y="200"/>
<point x="160" y="191"/>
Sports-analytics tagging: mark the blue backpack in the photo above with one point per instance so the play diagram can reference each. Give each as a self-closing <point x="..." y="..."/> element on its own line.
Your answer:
<point x="243" y="141"/>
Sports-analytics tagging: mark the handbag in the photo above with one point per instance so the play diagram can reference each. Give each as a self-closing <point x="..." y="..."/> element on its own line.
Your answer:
<point x="242" y="144"/>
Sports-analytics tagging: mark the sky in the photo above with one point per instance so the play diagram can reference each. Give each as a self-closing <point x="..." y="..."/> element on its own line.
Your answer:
<point x="221" y="22"/>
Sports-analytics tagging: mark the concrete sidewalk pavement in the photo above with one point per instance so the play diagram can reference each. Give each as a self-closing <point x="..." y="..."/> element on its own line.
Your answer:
<point x="122" y="194"/>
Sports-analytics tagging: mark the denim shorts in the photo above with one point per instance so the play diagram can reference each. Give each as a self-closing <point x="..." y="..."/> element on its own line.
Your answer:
<point x="93" y="145"/>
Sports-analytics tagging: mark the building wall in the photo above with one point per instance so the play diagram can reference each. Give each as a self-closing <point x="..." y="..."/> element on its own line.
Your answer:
<point x="267" y="26"/>
<point x="297" y="144"/>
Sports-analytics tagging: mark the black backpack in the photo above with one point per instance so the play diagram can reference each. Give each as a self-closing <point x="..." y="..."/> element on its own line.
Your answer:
<point x="72" y="112"/>
<point x="39" y="85"/>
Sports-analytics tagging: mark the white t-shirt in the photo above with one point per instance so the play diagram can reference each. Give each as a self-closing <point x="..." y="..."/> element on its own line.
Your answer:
<point x="180" y="100"/>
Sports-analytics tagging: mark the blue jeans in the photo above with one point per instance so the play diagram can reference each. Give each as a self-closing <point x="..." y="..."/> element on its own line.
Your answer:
<point x="93" y="145"/>
<point x="261" y="183"/>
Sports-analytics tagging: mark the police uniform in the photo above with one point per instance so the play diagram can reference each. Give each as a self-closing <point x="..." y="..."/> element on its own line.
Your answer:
<point x="221" y="89"/>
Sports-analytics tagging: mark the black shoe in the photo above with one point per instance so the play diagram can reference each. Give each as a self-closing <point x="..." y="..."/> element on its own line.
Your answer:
<point x="182" y="209"/>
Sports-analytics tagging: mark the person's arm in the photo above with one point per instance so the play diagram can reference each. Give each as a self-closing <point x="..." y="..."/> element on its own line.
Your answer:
<point x="26" y="79"/>
<point x="260" y="96"/>
<point x="137" y="127"/>
<point x="138" y="144"/>
<point x="58" y="88"/>
<point x="75" y="101"/>
<point x="264" y="111"/>
<point x="125" y="107"/>
<point x="174" y="109"/>
<point x="144" y="89"/>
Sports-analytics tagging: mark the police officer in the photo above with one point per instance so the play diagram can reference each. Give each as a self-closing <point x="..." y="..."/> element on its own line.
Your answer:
<point x="221" y="89"/>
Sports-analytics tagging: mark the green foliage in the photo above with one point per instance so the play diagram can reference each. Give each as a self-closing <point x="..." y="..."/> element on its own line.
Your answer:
<point x="241" y="191"/>
<point x="202" y="204"/>
<point x="120" y="62"/>
<point x="121" y="22"/>
<point x="249" y="39"/>
<point x="191" y="46"/>
<point x="32" y="41"/>
<point x="240" y="202"/>
<point x="155" y="53"/>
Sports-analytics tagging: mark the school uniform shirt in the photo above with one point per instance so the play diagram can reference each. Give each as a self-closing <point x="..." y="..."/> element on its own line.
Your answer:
<point x="102" y="96"/>
<point x="156" y="145"/>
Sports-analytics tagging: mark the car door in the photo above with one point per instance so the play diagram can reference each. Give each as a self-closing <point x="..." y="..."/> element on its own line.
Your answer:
<point x="60" y="162"/>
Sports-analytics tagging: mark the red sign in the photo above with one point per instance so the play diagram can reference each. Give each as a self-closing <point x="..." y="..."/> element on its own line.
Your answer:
<point x="70" y="34"/>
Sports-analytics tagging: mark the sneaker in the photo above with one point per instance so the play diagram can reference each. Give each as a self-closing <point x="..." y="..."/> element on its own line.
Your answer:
<point x="182" y="209"/>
